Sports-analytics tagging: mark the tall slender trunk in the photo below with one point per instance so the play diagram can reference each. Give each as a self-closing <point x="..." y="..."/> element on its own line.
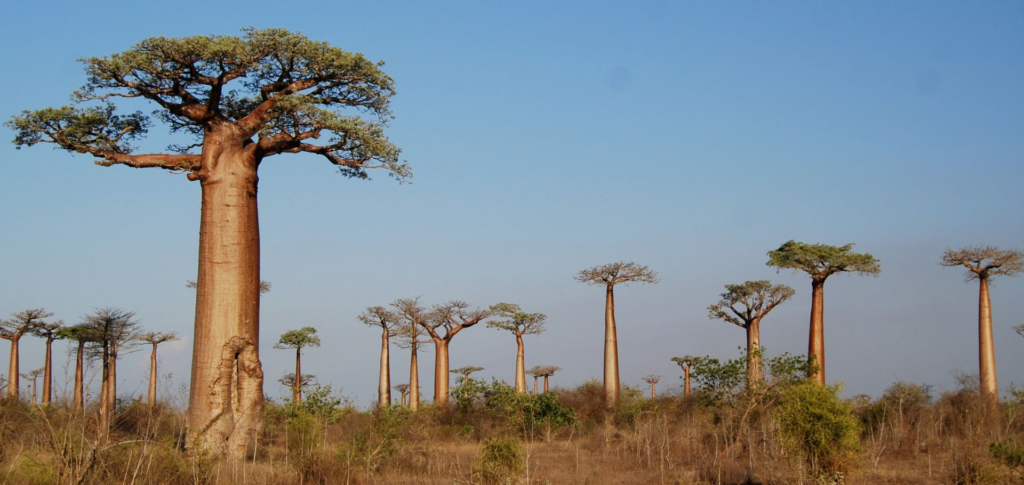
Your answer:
<point x="611" y="352"/>
<point x="104" y="421"/>
<point x="546" y="384"/>
<point x="112" y="387"/>
<point x="986" y="349"/>
<point x="520" y="365"/>
<point x="654" y="394"/>
<point x="686" y="381"/>
<point x="754" y="374"/>
<point x="441" y="372"/>
<point x="34" y="380"/>
<point x="535" y="384"/>
<point x="48" y="372"/>
<point x="414" y="378"/>
<point x="384" y="389"/>
<point x="13" y="375"/>
<point x="79" y="396"/>
<point x="816" y="336"/>
<point x="297" y="384"/>
<point x="226" y="398"/>
<point x="152" y="377"/>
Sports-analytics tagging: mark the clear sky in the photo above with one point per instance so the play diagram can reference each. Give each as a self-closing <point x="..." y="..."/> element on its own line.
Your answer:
<point x="548" y="137"/>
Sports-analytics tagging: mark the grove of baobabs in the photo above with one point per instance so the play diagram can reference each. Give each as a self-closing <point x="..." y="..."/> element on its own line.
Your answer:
<point x="231" y="102"/>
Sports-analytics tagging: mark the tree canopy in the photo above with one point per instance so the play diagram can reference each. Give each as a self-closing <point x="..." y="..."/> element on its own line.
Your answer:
<point x="821" y="260"/>
<point x="984" y="261"/>
<point x="515" y="320"/>
<point x="275" y="85"/>
<point x="298" y="339"/>
<point x="756" y="297"/>
<point x="615" y="273"/>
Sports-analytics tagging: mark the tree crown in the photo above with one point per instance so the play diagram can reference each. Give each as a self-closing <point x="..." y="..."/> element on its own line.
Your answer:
<point x="412" y="319"/>
<point x="452" y="317"/>
<point x="289" y="380"/>
<point x="757" y="298"/>
<point x="615" y="273"/>
<point x="277" y="86"/>
<point x="985" y="261"/>
<point x="467" y="370"/>
<point x="652" y="379"/>
<point x="378" y="316"/>
<point x="298" y="339"/>
<point x="22" y="322"/>
<point x="113" y="330"/>
<point x="515" y="320"/>
<point x="157" y="338"/>
<point x="686" y="360"/>
<point x="821" y="260"/>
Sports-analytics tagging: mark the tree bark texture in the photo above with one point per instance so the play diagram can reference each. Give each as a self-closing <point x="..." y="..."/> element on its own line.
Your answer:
<point x="297" y="384"/>
<point x="152" y="377"/>
<point x="611" y="352"/>
<point x="754" y="374"/>
<point x="986" y="349"/>
<point x="546" y="384"/>
<point x="226" y="399"/>
<point x="104" y="418"/>
<point x="48" y="372"/>
<point x="414" y="380"/>
<point x="13" y="375"/>
<point x="816" y="335"/>
<point x="535" y="384"/>
<point x="520" y="365"/>
<point x="686" y="381"/>
<point x="384" y="387"/>
<point x="654" y="393"/>
<point x="441" y="372"/>
<point x="79" y="396"/>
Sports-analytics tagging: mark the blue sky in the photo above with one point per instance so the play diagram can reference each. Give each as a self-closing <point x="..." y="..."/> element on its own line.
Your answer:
<point x="547" y="138"/>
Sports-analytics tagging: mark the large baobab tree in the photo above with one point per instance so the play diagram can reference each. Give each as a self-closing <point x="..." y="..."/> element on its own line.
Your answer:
<point x="982" y="263"/>
<point x="298" y="340"/>
<point x="653" y="381"/>
<point x="450" y="318"/>
<point x="410" y="336"/>
<point x="12" y="330"/>
<point x="378" y="316"/>
<point x="112" y="332"/>
<point x="520" y="323"/>
<point x="608" y="276"/>
<point x="80" y="334"/>
<point x="745" y="306"/>
<point x="49" y="332"/>
<point x="154" y="339"/>
<point x="34" y="376"/>
<point x="820" y="261"/>
<point x="685" y="363"/>
<point x="236" y="101"/>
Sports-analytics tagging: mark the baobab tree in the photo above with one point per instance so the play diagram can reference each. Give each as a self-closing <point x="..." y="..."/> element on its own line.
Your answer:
<point x="466" y="371"/>
<point x="12" y="330"/>
<point x="298" y="340"/>
<point x="653" y="381"/>
<point x="410" y="336"/>
<point x="112" y="332"/>
<point x="154" y="339"/>
<point x="982" y="263"/>
<point x="49" y="332"/>
<point x="289" y="381"/>
<point x="820" y="261"/>
<point x="608" y="276"/>
<point x="535" y="371"/>
<point x="80" y="334"/>
<point x="33" y="375"/>
<point x="378" y="316"/>
<point x="754" y="299"/>
<point x="1019" y="329"/>
<point x="547" y="371"/>
<point x="685" y="363"/>
<point x="520" y="323"/>
<point x="451" y="318"/>
<point x="403" y="389"/>
<point x="237" y="101"/>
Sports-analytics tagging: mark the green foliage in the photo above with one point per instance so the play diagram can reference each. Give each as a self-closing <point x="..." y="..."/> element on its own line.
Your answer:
<point x="373" y="447"/>
<point x="501" y="461"/>
<point x="1010" y="454"/>
<point x="718" y="381"/>
<point x="516" y="320"/>
<point x="298" y="339"/>
<point x="819" y="427"/>
<point x="822" y="260"/>
<point x="523" y="412"/>
<point x="756" y="297"/>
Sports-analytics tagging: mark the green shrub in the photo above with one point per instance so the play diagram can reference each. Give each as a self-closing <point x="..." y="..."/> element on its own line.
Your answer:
<point x="819" y="427"/>
<point x="501" y="461"/>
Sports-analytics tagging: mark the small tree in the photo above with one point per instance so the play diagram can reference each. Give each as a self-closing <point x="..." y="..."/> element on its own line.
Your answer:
<point x="80" y="334"/>
<point x="289" y="381"/>
<point x="547" y="371"/>
<point x="298" y="339"/>
<point x="653" y="381"/>
<point x="608" y="276"/>
<point x="520" y="323"/>
<point x="12" y="330"/>
<point x="378" y="316"/>
<point x="451" y="318"/>
<point x="756" y="299"/>
<point x="50" y="332"/>
<point x="403" y="389"/>
<point x="820" y="261"/>
<point x="535" y="371"/>
<point x="111" y="333"/>
<point x="685" y="363"/>
<point x="982" y="263"/>
<point x="34" y="376"/>
<point x="154" y="339"/>
<point x="410" y="336"/>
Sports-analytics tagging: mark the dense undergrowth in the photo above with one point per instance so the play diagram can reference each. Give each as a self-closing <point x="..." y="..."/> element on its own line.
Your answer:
<point x="782" y="431"/>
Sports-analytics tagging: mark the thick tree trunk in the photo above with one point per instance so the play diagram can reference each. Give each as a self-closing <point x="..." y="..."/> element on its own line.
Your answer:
<point x="384" y="388"/>
<point x="297" y="384"/>
<point x="546" y="384"/>
<point x="654" y="394"/>
<point x="754" y="374"/>
<point x="48" y="373"/>
<point x="441" y="373"/>
<point x="414" y="380"/>
<point x="226" y="399"/>
<point x="13" y="375"/>
<point x="986" y="349"/>
<point x="104" y="421"/>
<point x="112" y="389"/>
<point x="520" y="365"/>
<point x="152" y="377"/>
<point x="535" y="384"/>
<point x="611" y="352"/>
<point x="79" y="396"/>
<point x="816" y="336"/>
<point x="686" y="381"/>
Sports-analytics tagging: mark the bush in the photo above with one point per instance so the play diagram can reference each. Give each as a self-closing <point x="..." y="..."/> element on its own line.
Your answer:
<point x="819" y="427"/>
<point x="501" y="461"/>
